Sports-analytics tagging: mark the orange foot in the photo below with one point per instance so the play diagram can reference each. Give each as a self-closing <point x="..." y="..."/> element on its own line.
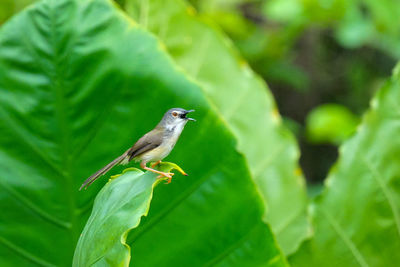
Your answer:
<point x="155" y="164"/>
<point x="166" y="175"/>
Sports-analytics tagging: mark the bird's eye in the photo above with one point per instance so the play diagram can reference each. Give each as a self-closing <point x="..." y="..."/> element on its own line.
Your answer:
<point x="174" y="113"/>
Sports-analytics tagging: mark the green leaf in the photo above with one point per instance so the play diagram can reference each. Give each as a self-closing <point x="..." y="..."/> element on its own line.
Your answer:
<point x="117" y="209"/>
<point x="357" y="217"/>
<point x="354" y="29"/>
<point x="80" y="82"/>
<point x="245" y="105"/>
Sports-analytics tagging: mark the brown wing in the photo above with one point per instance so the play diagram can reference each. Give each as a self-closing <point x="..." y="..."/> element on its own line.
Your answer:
<point x="147" y="142"/>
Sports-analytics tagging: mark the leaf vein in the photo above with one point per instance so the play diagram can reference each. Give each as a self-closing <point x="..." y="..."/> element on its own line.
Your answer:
<point x="41" y="213"/>
<point x="174" y="204"/>
<point x="25" y="254"/>
<point x="286" y="224"/>
<point x="385" y="191"/>
<point x="235" y="245"/>
<point x="347" y="241"/>
<point x="19" y="133"/>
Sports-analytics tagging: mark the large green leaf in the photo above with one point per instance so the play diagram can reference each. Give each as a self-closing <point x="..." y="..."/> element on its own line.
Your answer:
<point x="79" y="83"/>
<point x="357" y="218"/>
<point x="117" y="209"/>
<point x="244" y="104"/>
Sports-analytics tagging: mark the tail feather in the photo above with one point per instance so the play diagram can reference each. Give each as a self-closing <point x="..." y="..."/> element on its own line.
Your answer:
<point x="102" y="171"/>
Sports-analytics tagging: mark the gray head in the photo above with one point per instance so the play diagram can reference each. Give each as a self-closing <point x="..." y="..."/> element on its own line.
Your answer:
<point x="175" y="116"/>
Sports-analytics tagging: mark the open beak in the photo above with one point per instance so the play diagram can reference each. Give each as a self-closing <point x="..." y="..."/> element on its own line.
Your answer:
<point x="188" y="111"/>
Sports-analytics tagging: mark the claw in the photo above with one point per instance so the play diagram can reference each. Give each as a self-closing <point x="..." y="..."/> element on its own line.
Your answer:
<point x="166" y="175"/>
<point x="167" y="166"/>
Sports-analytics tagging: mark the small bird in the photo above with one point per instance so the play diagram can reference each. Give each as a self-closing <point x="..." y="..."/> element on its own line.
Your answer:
<point x="151" y="147"/>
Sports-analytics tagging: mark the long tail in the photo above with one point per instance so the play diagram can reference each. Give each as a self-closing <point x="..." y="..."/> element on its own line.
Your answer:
<point x="102" y="171"/>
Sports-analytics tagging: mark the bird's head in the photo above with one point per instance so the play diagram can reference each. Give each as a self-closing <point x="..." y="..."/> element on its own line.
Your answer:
<point x="175" y="117"/>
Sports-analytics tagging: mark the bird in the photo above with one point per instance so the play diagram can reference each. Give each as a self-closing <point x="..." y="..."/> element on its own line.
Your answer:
<point x="154" y="146"/>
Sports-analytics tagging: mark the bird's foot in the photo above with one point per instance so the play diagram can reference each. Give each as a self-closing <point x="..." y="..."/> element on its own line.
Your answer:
<point x="155" y="164"/>
<point x="167" y="175"/>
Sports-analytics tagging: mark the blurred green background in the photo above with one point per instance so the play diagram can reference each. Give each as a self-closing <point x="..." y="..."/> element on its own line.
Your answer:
<point x="313" y="53"/>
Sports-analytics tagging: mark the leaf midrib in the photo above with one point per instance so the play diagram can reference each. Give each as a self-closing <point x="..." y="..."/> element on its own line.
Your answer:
<point x="57" y="86"/>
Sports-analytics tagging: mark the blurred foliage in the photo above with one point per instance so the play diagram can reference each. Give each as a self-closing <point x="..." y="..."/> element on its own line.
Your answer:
<point x="330" y="123"/>
<point x="267" y="32"/>
<point x="245" y="105"/>
<point x="357" y="217"/>
<point x="313" y="52"/>
<point x="10" y="7"/>
<point x="76" y="90"/>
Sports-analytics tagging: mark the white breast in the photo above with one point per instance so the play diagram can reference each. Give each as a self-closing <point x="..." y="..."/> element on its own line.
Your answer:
<point x="168" y="143"/>
<point x="170" y="140"/>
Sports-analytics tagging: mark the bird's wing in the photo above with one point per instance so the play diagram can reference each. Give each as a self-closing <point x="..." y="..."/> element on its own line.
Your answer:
<point x="148" y="142"/>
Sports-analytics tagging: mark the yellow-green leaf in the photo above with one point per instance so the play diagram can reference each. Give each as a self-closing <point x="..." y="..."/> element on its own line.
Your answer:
<point x="357" y="218"/>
